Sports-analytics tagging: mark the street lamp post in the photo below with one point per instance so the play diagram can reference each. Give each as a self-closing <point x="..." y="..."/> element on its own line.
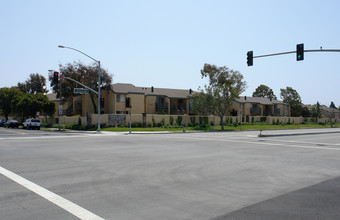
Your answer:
<point x="61" y="46"/>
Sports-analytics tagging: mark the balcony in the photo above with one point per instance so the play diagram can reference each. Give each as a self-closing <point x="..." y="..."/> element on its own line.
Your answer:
<point x="277" y="112"/>
<point x="161" y="107"/>
<point x="255" y="111"/>
<point x="267" y="112"/>
<point x="180" y="109"/>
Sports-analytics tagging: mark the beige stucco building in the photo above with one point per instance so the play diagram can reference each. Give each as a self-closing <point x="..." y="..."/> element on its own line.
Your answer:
<point x="151" y="100"/>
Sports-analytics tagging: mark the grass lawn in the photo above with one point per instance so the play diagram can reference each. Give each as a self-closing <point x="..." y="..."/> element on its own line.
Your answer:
<point x="244" y="127"/>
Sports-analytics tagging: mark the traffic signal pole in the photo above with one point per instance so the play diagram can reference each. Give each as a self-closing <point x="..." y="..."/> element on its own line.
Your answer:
<point x="60" y="105"/>
<point x="250" y="56"/>
<point x="319" y="50"/>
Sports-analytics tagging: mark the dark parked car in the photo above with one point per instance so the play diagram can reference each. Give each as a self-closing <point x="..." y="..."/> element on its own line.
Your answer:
<point x="2" y="123"/>
<point x="12" y="124"/>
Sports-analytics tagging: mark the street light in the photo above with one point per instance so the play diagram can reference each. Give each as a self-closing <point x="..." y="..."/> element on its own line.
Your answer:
<point x="61" y="46"/>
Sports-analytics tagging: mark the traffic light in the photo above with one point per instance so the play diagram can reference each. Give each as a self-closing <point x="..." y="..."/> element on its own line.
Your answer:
<point x="55" y="77"/>
<point x="299" y="52"/>
<point x="127" y="102"/>
<point x="250" y="58"/>
<point x="101" y="102"/>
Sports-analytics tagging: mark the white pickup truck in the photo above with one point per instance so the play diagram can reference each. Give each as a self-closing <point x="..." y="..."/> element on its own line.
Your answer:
<point x="31" y="123"/>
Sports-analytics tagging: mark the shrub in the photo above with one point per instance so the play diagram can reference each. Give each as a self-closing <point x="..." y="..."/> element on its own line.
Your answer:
<point x="193" y="121"/>
<point x="137" y="125"/>
<point x="263" y="119"/>
<point x="162" y="122"/>
<point x="200" y="119"/>
<point x="171" y="120"/>
<point x="179" y="120"/>
<point x="153" y="122"/>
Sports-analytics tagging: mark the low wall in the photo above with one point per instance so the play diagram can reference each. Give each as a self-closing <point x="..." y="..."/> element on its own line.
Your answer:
<point x="156" y="119"/>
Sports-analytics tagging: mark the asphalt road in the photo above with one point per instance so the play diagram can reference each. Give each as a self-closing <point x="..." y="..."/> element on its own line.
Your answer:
<point x="222" y="175"/>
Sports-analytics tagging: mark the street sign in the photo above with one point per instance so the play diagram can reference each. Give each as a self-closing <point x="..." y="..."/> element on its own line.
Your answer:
<point x="80" y="91"/>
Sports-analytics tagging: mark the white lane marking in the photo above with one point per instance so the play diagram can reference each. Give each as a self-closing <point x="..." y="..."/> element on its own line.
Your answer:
<point x="303" y="142"/>
<point x="65" y="204"/>
<point x="265" y="143"/>
<point x="61" y="136"/>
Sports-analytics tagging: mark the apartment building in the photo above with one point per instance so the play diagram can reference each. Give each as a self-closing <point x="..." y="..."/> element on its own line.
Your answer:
<point x="152" y="100"/>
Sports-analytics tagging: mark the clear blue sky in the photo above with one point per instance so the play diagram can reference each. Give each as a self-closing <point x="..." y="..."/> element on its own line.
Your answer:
<point x="166" y="43"/>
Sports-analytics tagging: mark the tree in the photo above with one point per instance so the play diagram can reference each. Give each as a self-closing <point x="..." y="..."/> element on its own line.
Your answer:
<point x="34" y="84"/>
<point x="264" y="91"/>
<point x="87" y="75"/>
<point x="6" y="99"/>
<point x="27" y="105"/>
<point x="331" y="113"/>
<point x="332" y="105"/>
<point x="225" y="85"/>
<point x="201" y="103"/>
<point x="305" y="112"/>
<point x="292" y="97"/>
<point x="49" y="108"/>
<point x="316" y="111"/>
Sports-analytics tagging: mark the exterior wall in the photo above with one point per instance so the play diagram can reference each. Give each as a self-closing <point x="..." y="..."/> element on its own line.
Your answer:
<point x="77" y="110"/>
<point x="87" y="106"/>
<point x="147" y="104"/>
<point x="110" y="100"/>
<point x="137" y="103"/>
<point x="283" y="110"/>
<point x="151" y="104"/>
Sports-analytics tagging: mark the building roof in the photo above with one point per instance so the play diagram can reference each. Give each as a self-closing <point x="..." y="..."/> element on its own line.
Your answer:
<point x="126" y="88"/>
<point x="259" y="100"/>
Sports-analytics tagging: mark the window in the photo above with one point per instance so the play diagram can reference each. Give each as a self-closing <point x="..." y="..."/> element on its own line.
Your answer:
<point x="120" y="98"/>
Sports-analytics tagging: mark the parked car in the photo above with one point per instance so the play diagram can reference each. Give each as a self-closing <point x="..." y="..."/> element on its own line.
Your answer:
<point x="32" y="123"/>
<point x="2" y="123"/>
<point x="12" y="124"/>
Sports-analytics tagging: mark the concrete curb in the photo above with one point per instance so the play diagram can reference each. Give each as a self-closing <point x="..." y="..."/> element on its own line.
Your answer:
<point x="297" y="134"/>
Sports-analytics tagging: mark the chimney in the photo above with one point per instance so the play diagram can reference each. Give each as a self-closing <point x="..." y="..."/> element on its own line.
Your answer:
<point x="190" y="91"/>
<point x="245" y="97"/>
<point x="152" y="89"/>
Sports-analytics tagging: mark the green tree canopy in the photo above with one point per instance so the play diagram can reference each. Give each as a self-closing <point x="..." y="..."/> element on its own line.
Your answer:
<point x="34" y="84"/>
<point x="202" y="103"/>
<point x="225" y="85"/>
<point x="264" y="91"/>
<point x="87" y="75"/>
<point x="27" y="105"/>
<point x="292" y="97"/>
<point x="316" y="111"/>
<point x="332" y="105"/>
<point x="6" y="97"/>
